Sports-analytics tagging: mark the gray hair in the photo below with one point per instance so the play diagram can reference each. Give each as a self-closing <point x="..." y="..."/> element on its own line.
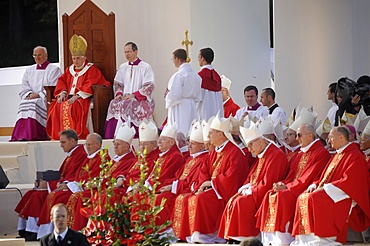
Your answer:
<point x="41" y="47"/>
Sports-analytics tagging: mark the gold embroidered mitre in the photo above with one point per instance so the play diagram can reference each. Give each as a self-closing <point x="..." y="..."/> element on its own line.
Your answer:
<point x="77" y="45"/>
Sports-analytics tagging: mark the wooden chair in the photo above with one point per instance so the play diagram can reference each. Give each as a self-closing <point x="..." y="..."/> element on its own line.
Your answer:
<point x="98" y="29"/>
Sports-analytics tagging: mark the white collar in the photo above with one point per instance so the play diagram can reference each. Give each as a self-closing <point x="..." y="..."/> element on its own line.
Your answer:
<point x="226" y="100"/>
<point x="305" y="149"/>
<point x="264" y="151"/>
<point x="93" y="154"/>
<point x="198" y="153"/>
<point x="340" y="150"/>
<point x="117" y="158"/>
<point x="366" y="151"/>
<point x="163" y="153"/>
<point x="208" y="66"/>
<point x="63" y="234"/>
<point x="221" y="147"/>
<point x="71" y="151"/>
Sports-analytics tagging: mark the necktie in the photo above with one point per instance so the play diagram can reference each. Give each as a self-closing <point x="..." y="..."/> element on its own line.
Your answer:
<point x="59" y="240"/>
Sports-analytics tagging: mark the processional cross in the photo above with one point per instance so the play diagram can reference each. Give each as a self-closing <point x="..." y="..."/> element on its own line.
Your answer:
<point x="186" y="42"/>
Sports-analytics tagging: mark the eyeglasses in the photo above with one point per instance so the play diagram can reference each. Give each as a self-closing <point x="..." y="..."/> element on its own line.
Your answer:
<point x="299" y="135"/>
<point x="37" y="55"/>
<point x="291" y="134"/>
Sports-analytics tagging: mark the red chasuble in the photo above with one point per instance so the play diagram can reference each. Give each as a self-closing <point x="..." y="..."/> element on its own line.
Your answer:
<point x="32" y="202"/>
<point x="317" y="213"/>
<point x="210" y="79"/>
<point x="62" y="116"/>
<point x="75" y="202"/>
<point x="238" y="218"/>
<point x="230" y="108"/>
<point x="202" y="213"/>
<point x="185" y="177"/>
<point x="62" y="196"/>
<point x="277" y="209"/>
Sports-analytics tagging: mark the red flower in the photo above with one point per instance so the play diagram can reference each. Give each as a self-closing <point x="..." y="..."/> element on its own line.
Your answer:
<point x="100" y="210"/>
<point x="137" y="236"/>
<point x="145" y="207"/>
<point x="86" y="212"/>
<point x="148" y="231"/>
<point x="135" y="217"/>
<point x="145" y="223"/>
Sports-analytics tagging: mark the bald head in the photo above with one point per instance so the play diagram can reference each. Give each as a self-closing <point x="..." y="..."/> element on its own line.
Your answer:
<point x="93" y="143"/>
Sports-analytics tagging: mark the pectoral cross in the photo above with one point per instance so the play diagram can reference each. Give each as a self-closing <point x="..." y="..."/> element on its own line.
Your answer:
<point x="186" y="43"/>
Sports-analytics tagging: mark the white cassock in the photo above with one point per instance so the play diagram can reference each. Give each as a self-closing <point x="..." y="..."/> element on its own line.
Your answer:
<point x="184" y="93"/>
<point x="211" y="103"/>
<point x="278" y="115"/>
<point x="332" y="112"/>
<point x="260" y="112"/>
<point x="33" y="81"/>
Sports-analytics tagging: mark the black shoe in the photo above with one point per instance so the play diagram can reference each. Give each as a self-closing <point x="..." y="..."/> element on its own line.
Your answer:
<point x="22" y="234"/>
<point x="31" y="236"/>
<point x="232" y="241"/>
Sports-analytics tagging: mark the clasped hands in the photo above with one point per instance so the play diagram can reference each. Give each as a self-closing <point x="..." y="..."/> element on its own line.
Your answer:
<point x="129" y="96"/>
<point x="32" y="96"/>
<point x="63" y="96"/>
<point x="205" y="186"/>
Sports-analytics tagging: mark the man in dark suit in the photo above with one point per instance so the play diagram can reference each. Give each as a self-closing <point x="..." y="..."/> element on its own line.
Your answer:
<point x="62" y="235"/>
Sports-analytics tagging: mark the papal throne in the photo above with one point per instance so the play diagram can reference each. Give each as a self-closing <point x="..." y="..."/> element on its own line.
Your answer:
<point x="98" y="28"/>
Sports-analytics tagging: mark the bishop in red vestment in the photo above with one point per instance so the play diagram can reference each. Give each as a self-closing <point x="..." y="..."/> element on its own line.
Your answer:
<point x="120" y="165"/>
<point x="238" y="219"/>
<point x="185" y="176"/>
<point x="230" y="108"/>
<point x="336" y="200"/>
<point x="276" y="213"/>
<point x="73" y="92"/>
<point x="218" y="181"/>
<point x="32" y="202"/>
<point x="66" y="189"/>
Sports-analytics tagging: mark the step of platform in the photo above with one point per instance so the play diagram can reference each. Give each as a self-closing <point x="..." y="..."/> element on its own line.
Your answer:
<point x="12" y="242"/>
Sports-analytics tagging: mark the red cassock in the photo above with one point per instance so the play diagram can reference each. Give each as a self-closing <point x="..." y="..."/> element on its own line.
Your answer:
<point x="62" y="116"/>
<point x="230" y="108"/>
<point x="169" y="163"/>
<point x="185" y="176"/>
<point x="277" y="209"/>
<point x="317" y="213"/>
<point x="76" y="220"/>
<point x="32" y="202"/>
<point x="227" y="170"/>
<point x="62" y="196"/>
<point x="291" y="155"/>
<point x="238" y="219"/>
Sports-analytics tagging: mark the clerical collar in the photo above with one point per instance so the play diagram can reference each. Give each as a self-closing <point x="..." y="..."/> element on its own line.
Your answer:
<point x="227" y="100"/>
<point x="184" y="149"/>
<point x="273" y="107"/>
<point x="198" y="153"/>
<point x="367" y="152"/>
<point x="294" y="148"/>
<point x="306" y="148"/>
<point x="221" y="147"/>
<point x="117" y="158"/>
<point x="93" y="154"/>
<point x="264" y="151"/>
<point x="208" y="66"/>
<point x="42" y="66"/>
<point x="341" y="149"/>
<point x="254" y="107"/>
<point x="163" y="153"/>
<point x="71" y="151"/>
<point x="135" y="63"/>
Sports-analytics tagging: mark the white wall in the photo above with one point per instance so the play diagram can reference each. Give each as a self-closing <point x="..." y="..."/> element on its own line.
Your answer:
<point x="237" y="32"/>
<point x="313" y="48"/>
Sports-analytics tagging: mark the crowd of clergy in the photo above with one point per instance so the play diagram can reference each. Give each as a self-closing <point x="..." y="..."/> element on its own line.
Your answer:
<point x="227" y="173"/>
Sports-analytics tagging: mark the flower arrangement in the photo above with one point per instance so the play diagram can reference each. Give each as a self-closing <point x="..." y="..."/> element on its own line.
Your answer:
<point x="123" y="219"/>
